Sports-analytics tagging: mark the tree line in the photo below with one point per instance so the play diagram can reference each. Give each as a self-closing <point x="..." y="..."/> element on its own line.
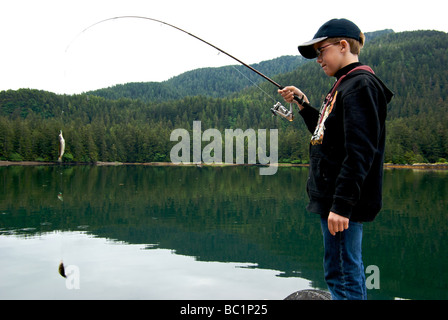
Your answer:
<point x="136" y="128"/>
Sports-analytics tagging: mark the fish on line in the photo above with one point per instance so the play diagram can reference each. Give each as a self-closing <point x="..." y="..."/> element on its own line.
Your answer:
<point x="61" y="146"/>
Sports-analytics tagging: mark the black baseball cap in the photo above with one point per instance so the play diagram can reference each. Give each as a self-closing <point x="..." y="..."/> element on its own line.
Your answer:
<point x="335" y="28"/>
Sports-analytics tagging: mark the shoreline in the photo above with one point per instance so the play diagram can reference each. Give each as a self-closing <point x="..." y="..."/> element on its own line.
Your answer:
<point x="418" y="166"/>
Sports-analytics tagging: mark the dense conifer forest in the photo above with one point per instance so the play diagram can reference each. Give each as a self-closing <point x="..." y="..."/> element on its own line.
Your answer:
<point x="133" y="122"/>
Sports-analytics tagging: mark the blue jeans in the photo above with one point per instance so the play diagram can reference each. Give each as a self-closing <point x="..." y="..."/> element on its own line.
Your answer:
<point x="344" y="270"/>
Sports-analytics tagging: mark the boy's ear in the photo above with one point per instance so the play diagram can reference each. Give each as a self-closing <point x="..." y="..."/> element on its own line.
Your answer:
<point x="345" y="46"/>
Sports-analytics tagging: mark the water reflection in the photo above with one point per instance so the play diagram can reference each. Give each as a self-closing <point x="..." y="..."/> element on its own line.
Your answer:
<point x="113" y="270"/>
<point x="120" y="220"/>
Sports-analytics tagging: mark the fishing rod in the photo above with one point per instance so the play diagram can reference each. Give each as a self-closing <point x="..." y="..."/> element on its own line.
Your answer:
<point x="278" y="108"/>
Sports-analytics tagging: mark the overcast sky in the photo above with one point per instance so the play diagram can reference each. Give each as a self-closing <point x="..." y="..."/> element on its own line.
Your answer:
<point x="43" y="46"/>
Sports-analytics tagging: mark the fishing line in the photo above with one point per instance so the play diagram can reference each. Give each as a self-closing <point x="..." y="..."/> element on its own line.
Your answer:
<point x="277" y="109"/>
<point x="255" y="84"/>
<point x="177" y="28"/>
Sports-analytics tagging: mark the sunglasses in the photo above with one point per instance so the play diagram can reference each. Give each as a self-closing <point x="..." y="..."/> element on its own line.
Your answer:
<point x="320" y="49"/>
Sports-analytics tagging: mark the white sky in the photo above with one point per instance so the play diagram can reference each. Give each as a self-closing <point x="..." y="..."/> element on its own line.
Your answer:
<point x="35" y="36"/>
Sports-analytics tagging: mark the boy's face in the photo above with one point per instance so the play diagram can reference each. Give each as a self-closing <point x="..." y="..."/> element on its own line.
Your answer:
<point x="329" y="56"/>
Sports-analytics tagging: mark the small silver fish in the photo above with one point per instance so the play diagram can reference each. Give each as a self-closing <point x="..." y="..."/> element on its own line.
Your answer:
<point x="61" y="147"/>
<point x="62" y="270"/>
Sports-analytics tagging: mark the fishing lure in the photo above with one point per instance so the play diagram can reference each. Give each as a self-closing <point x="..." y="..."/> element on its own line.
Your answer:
<point x="278" y="109"/>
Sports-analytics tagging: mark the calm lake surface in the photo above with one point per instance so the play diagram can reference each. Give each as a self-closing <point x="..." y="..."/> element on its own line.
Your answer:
<point x="142" y="232"/>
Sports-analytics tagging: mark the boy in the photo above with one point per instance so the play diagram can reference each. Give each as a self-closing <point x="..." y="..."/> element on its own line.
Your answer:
<point x="346" y="152"/>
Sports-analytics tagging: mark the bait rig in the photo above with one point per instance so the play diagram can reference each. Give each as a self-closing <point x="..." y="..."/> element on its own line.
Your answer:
<point x="277" y="109"/>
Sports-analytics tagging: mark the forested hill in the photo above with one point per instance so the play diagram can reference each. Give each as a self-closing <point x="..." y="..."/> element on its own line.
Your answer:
<point x="212" y="82"/>
<point x="412" y="64"/>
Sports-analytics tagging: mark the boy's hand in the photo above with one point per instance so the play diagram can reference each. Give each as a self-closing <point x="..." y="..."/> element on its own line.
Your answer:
<point x="288" y="94"/>
<point x="337" y="223"/>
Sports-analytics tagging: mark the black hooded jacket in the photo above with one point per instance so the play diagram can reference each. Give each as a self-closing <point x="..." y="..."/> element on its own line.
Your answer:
<point x="346" y="165"/>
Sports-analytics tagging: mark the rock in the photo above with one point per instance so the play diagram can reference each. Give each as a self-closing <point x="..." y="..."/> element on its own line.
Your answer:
<point x="309" y="294"/>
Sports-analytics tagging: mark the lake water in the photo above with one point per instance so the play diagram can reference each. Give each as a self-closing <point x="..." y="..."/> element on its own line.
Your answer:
<point x="144" y="232"/>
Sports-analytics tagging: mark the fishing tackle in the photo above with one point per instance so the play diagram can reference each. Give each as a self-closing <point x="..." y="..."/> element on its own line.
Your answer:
<point x="277" y="109"/>
<point x="280" y="110"/>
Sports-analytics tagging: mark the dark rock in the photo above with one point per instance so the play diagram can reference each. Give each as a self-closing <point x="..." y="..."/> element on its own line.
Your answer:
<point x="309" y="294"/>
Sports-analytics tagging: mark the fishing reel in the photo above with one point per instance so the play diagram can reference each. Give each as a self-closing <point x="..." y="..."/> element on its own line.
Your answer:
<point x="280" y="110"/>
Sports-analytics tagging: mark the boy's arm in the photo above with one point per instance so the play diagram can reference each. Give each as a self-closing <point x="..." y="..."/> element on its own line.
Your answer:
<point x="362" y="129"/>
<point x="309" y="115"/>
